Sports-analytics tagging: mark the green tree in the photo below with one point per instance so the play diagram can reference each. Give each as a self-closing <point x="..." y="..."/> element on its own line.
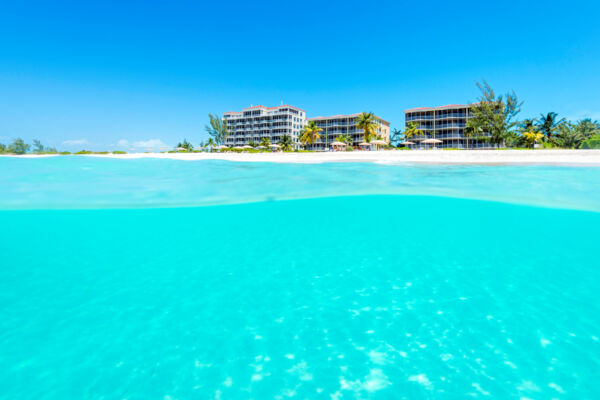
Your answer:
<point x="18" y="146"/>
<point x="396" y="137"/>
<point x="412" y="129"/>
<point x="286" y="142"/>
<point x="310" y="133"/>
<point x="345" y="138"/>
<point x="568" y="136"/>
<point x="533" y="137"/>
<point x="3" y="148"/>
<point x="495" y="114"/>
<point x="217" y="129"/>
<point x="252" y="143"/>
<point x="185" y="145"/>
<point x="265" y="142"/>
<point x="38" y="147"/>
<point x="473" y="130"/>
<point x="588" y="128"/>
<point x="368" y="123"/>
<point x="548" y="123"/>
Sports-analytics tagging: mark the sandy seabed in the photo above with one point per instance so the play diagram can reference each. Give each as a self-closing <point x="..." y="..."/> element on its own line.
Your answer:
<point x="548" y="157"/>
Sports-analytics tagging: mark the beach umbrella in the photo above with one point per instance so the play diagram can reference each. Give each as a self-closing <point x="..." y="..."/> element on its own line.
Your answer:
<point x="276" y="146"/>
<point x="383" y="142"/>
<point x="221" y="147"/>
<point x="180" y="149"/>
<point x="338" y="144"/>
<point x="432" y="141"/>
<point x="261" y="147"/>
<point x="246" y="147"/>
<point x="238" y="147"/>
<point x="364" y="144"/>
<point x="407" y="143"/>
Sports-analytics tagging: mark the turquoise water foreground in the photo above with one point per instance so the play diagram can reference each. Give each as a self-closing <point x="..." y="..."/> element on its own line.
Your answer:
<point x="348" y="297"/>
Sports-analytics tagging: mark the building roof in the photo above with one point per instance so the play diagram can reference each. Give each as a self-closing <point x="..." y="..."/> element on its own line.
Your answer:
<point x="266" y="108"/>
<point x="343" y="116"/>
<point x="446" y="107"/>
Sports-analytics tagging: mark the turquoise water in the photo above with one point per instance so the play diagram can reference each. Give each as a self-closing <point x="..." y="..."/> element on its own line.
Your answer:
<point x="483" y="282"/>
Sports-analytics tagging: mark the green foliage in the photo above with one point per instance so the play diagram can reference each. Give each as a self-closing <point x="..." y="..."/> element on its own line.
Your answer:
<point x="396" y="137"/>
<point x="252" y="143"/>
<point x="82" y="152"/>
<point x="119" y="152"/>
<point x="101" y="152"/>
<point x="266" y="142"/>
<point x="217" y="129"/>
<point x="185" y="145"/>
<point x="64" y="153"/>
<point x="345" y="138"/>
<point x="18" y="146"/>
<point x="548" y="124"/>
<point x="310" y="133"/>
<point x="591" y="143"/>
<point x="286" y="142"/>
<point x="412" y="129"/>
<point x="494" y="114"/>
<point x="368" y="123"/>
<point x="3" y="149"/>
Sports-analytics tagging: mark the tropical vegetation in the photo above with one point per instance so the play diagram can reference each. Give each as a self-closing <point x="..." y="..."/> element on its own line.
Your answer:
<point x="310" y="133"/>
<point x="368" y="123"/>
<point x="217" y="129"/>
<point x="286" y="142"/>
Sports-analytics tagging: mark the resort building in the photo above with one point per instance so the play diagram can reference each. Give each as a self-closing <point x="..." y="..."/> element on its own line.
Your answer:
<point x="257" y="122"/>
<point x="446" y="123"/>
<point x="337" y="125"/>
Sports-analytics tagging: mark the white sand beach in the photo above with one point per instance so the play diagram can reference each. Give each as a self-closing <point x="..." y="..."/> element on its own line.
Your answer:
<point x="546" y="157"/>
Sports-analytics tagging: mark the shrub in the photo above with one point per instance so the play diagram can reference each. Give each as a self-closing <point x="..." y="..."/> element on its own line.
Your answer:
<point x="84" y="152"/>
<point x="119" y="152"/>
<point x="64" y="153"/>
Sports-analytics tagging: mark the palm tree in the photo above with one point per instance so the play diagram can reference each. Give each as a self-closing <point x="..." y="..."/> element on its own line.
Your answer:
<point x="368" y="123"/>
<point x="345" y="138"/>
<point x="211" y="143"/>
<point x="533" y="137"/>
<point x="310" y="133"/>
<point x="185" y="145"/>
<point x="548" y="123"/>
<point x="412" y="129"/>
<point x="396" y="137"/>
<point x="472" y="129"/>
<point x="265" y="142"/>
<point x="286" y="142"/>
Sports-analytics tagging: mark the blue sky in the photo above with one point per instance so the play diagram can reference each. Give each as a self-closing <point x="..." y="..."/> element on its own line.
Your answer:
<point x="93" y="74"/>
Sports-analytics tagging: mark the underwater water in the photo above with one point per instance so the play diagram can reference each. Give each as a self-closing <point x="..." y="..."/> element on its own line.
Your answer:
<point x="163" y="279"/>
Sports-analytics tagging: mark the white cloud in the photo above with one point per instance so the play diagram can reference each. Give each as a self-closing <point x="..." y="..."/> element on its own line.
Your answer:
<point x="75" y="142"/>
<point x="149" y="143"/>
<point x="123" y="143"/>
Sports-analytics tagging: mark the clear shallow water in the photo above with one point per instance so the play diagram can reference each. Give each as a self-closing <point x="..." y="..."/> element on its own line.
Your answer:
<point x="87" y="182"/>
<point x="375" y="297"/>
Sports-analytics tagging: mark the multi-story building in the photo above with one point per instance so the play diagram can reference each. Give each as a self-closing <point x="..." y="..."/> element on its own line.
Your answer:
<point x="337" y="125"/>
<point x="446" y="123"/>
<point x="254" y="123"/>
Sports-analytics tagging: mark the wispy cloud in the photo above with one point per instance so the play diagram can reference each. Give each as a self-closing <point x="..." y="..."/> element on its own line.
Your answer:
<point x="75" y="142"/>
<point x="123" y="143"/>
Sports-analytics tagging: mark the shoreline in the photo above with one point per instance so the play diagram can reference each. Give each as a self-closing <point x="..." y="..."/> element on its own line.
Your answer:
<point x="484" y="157"/>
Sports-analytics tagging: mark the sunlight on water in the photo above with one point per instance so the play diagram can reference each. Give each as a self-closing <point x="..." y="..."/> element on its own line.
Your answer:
<point x="374" y="297"/>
